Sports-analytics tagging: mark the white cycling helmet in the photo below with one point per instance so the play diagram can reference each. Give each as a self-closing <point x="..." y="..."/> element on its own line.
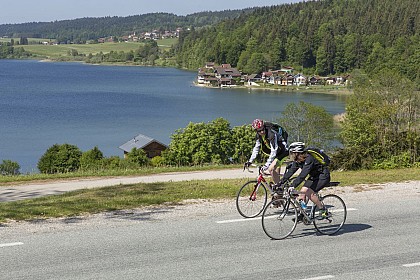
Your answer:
<point x="297" y="147"/>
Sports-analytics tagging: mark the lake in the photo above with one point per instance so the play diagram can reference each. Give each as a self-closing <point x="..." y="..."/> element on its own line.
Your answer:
<point x="47" y="103"/>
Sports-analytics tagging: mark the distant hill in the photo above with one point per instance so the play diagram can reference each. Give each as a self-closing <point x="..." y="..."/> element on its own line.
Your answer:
<point x="83" y="29"/>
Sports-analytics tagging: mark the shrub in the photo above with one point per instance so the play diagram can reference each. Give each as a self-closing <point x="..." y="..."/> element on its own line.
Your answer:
<point x="157" y="161"/>
<point x="91" y="159"/>
<point x="9" y="167"/>
<point x="60" y="159"/>
<point x="138" y="157"/>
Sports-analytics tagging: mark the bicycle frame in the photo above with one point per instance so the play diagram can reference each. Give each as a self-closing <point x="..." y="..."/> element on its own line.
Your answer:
<point x="260" y="180"/>
<point x="252" y="197"/>
<point x="307" y="218"/>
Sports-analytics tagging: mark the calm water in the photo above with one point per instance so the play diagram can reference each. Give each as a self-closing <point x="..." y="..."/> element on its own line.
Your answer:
<point x="42" y="104"/>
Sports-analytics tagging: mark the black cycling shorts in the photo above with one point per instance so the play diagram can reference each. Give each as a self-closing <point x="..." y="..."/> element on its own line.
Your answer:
<point x="319" y="182"/>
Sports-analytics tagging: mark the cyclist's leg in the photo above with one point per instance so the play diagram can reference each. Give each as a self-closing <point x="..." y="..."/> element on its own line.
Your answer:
<point x="276" y="165"/>
<point x="273" y="171"/>
<point x="309" y="190"/>
<point x="321" y="181"/>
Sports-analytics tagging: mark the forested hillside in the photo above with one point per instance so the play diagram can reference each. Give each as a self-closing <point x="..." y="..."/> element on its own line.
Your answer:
<point x="83" y="29"/>
<point x="321" y="37"/>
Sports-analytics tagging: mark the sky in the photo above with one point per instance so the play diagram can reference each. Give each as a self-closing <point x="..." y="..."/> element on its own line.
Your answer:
<point x="22" y="11"/>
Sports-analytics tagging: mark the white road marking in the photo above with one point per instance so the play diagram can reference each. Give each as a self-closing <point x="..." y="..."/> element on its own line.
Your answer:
<point x="259" y="218"/>
<point x="411" y="264"/>
<point x="11" y="244"/>
<point x="238" y="220"/>
<point x="320" y="277"/>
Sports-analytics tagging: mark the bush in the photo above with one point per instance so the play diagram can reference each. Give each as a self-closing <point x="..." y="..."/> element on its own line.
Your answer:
<point x="201" y="143"/>
<point x="91" y="159"/>
<point x="9" y="167"/>
<point x="157" y="161"/>
<point x="138" y="157"/>
<point x="399" y="161"/>
<point x="60" y="159"/>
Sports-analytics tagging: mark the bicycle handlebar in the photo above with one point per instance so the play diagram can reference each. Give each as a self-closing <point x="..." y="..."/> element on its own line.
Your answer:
<point x="260" y="170"/>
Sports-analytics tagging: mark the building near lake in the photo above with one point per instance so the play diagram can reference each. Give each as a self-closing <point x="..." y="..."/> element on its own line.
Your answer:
<point x="151" y="146"/>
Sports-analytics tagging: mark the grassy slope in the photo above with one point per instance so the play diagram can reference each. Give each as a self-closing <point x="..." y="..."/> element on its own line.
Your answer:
<point x="53" y="51"/>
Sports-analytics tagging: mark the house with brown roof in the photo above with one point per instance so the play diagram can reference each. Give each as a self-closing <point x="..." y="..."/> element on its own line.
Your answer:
<point x="287" y="80"/>
<point x="227" y="75"/>
<point x="314" y="80"/>
<point x="151" y="146"/>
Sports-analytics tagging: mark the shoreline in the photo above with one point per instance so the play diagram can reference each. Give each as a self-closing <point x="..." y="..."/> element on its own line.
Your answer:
<point x="338" y="90"/>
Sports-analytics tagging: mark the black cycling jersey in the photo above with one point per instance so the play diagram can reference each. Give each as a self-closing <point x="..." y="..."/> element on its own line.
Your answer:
<point x="319" y="174"/>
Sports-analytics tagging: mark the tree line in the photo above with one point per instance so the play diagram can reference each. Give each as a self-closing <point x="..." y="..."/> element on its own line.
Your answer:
<point x="85" y="29"/>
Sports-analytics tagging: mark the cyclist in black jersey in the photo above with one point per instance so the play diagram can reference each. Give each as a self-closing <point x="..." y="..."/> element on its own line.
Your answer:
<point x="312" y="165"/>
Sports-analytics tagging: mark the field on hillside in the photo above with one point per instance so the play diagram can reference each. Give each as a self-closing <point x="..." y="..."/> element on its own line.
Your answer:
<point x="52" y="51"/>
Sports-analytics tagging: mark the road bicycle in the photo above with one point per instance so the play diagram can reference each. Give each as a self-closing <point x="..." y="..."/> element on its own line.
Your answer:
<point x="252" y="197"/>
<point x="280" y="216"/>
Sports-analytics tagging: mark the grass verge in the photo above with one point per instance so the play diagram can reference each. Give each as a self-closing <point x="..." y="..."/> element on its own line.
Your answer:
<point x="36" y="177"/>
<point x="90" y="201"/>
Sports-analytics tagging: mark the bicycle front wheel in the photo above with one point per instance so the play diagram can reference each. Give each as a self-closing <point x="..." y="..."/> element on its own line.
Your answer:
<point x="279" y="218"/>
<point x="336" y="215"/>
<point x="251" y="199"/>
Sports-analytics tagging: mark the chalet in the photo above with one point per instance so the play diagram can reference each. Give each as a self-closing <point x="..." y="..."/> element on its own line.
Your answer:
<point x="342" y="80"/>
<point x="266" y="76"/>
<point x="151" y="146"/>
<point x="330" y="80"/>
<point x="254" y="78"/>
<point x="227" y="75"/>
<point x="299" y="80"/>
<point x="314" y="80"/>
<point x="205" y="78"/>
<point x="288" y="80"/>
<point x="279" y="77"/>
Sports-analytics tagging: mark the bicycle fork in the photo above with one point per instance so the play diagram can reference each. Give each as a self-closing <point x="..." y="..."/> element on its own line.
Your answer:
<point x="253" y="196"/>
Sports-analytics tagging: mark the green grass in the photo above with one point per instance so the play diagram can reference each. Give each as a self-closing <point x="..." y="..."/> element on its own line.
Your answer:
<point x="54" y="51"/>
<point x="167" y="43"/>
<point x="34" y="177"/>
<point x="132" y="196"/>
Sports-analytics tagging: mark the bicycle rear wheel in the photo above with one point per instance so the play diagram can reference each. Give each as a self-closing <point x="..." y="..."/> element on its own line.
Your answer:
<point x="337" y="214"/>
<point x="279" y="219"/>
<point x="251" y="199"/>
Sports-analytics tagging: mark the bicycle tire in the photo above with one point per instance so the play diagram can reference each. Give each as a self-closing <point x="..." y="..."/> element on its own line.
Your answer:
<point x="337" y="214"/>
<point x="279" y="221"/>
<point x="250" y="207"/>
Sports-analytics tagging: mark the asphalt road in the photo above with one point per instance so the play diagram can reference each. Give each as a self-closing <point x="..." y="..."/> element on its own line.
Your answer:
<point x="209" y="240"/>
